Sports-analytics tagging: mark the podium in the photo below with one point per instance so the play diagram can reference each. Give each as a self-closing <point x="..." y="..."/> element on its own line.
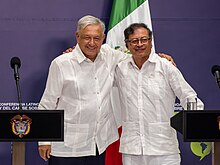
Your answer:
<point x="199" y="125"/>
<point x="23" y="126"/>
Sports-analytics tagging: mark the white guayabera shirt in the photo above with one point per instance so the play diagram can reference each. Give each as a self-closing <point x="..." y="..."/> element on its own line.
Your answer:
<point x="82" y="89"/>
<point x="147" y="101"/>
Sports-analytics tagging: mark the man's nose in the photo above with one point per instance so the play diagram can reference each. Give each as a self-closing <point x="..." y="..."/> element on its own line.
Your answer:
<point x="140" y="43"/>
<point x="91" y="41"/>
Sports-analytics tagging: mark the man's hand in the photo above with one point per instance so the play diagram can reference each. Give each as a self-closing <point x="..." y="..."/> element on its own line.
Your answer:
<point x="69" y="50"/>
<point x="169" y="58"/>
<point x="44" y="151"/>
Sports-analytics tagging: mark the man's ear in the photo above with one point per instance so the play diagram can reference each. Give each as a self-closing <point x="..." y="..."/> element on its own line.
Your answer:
<point x="77" y="35"/>
<point x="103" y="37"/>
<point x="126" y="45"/>
<point x="151" y="45"/>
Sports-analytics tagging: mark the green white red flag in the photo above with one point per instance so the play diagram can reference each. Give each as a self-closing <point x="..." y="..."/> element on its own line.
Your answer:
<point x="124" y="13"/>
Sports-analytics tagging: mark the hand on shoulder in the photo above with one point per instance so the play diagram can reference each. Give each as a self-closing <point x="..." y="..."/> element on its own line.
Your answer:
<point x="69" y="50"/>
<point x="168" y="57"/>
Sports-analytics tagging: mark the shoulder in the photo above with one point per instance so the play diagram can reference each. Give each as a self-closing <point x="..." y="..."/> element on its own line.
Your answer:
<point x="111" y="55"/>
<point x="63" y="58"/>
<point x="163" y="62"/>
<point x="162" y="65"/>
<point x="125" y="62"/>
<point x="123" y="65"/>
<point x="106" y="49"/>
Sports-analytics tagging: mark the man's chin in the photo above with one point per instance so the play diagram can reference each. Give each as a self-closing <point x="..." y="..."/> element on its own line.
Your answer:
<point x="91" y="55"/>
<point x="91" y="52"/>
<point x="140" y="53"/>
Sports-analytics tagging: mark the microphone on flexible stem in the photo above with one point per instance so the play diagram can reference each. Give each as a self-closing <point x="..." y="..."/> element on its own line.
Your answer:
<point x="16" y="64"/>
<point x="216" y="73"/>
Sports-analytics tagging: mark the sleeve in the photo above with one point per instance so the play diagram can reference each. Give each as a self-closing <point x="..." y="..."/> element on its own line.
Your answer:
<point x="116" y="105"/>
<point x="181" y="88"/>
<point x="52" y="91"/>
<point x="121" y="55"/>
<point x="117" y="54"/>
<point x="115" y="82"/>
<point x="44" y="143"/>
<point x="53" y="88"/>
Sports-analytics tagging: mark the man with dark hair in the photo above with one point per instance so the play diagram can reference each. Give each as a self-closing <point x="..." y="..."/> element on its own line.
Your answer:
<point x="148" y="86"/>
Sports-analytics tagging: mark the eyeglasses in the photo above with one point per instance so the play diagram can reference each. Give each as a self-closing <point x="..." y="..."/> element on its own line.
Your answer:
<point x="136" y="41"/>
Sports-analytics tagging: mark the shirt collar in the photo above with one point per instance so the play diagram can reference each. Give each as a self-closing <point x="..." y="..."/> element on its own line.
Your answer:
<point x="79" y="54"/>
<point x="152" y="58"/>
<point x="81" y="57"/>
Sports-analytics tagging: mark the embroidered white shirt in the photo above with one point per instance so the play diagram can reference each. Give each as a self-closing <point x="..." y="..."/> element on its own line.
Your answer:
<point x="147" y="102"/>
<point x="82" y="89"/>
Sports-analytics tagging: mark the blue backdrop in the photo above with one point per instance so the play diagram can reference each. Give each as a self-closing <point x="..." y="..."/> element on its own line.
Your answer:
<point x="38" y="31"/>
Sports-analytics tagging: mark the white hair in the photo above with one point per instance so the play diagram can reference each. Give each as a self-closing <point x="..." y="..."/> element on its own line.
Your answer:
<point x="89" y="20"/>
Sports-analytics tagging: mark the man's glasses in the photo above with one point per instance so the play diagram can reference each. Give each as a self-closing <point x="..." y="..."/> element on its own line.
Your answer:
<point x="136" y="41"/>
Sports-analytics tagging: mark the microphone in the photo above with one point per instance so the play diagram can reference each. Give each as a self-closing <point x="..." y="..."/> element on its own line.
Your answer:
<point x="216" y="73"/>
<point x="16" y="64"/>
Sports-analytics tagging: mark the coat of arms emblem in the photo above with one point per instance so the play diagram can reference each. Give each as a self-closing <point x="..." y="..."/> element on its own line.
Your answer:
<point x="21" y="125"/>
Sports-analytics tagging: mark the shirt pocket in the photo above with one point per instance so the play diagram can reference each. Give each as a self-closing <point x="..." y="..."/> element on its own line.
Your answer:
<point x="76" y="135"/>
<point x="155" y="86"/>
<point x="130" y="133"/>
<point x="125" y="85"/>
<point x="160" y="133"/>
<point x="71" y="108"/>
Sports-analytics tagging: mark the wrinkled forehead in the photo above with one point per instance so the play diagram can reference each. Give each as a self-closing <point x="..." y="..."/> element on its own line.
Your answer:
<point x="83" y="24"/>
<point x="91" y="30"/>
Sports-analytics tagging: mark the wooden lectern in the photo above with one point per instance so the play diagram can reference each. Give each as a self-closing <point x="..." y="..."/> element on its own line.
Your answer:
<point x="198" y="126"/>
<point x="39" y="125"/>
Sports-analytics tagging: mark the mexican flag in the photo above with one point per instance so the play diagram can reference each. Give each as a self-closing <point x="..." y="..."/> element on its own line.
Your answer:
<point x="124" y="12"/>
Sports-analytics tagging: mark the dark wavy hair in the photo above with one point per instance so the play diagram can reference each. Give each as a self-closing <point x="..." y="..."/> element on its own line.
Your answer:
<point x="130" y="30"/>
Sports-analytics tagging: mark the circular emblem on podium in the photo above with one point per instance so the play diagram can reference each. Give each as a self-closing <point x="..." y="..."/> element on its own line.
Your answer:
<point x="21" y="125"/>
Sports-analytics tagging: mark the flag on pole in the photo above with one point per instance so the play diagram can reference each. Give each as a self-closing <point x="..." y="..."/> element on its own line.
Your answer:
<point x="124" y="13"/>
